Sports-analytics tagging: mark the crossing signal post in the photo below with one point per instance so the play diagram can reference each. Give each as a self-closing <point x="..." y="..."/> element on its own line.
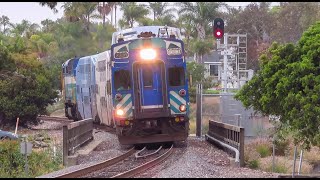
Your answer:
<point x="218" y="28"/>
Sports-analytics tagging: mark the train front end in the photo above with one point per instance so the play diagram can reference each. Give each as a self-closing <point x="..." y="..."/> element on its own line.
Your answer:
<point x="149" y="89"/>
<point x="69" y="80"/>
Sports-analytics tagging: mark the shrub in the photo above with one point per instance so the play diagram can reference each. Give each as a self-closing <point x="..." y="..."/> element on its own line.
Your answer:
<point x="263" y="150"/>
<point x="192" y="94"/>
<point x="253" y="164"/>
<point x="12" y="162"/>
<point x="281" y="147"/>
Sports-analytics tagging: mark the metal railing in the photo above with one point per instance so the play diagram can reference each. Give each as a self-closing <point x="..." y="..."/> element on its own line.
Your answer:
<point x="229" y="135"/>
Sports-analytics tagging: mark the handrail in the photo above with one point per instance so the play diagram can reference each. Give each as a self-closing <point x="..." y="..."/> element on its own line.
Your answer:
<point x="226" y="145"/>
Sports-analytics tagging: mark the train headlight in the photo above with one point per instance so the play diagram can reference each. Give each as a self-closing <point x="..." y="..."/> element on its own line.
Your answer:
<point x="119" y="112"/>
<point x="148" y="54"/>
<point x="182" y="108"/>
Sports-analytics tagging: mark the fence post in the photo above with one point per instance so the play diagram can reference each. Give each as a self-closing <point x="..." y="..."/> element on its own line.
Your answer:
<point x="294" y="161"/>
<point x="241" y="148"/>
<point x="199" y="107"/>
<point x="65" y="145"/>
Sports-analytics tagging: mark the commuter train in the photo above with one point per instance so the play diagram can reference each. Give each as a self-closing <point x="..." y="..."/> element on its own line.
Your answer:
<point x="139" y="86"/>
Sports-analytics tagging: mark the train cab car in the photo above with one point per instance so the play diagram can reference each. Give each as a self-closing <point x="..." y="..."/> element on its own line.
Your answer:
<point x="103" y="85"/>
<point x="149" y="85"/>
<point x="69" y="87"/>
<point x="86" y="89"/>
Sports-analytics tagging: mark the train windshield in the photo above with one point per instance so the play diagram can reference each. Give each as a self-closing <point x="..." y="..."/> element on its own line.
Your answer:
<point x="122" y="80"/>
<point x="132" y="33"/>
<point x="176" y="76"/>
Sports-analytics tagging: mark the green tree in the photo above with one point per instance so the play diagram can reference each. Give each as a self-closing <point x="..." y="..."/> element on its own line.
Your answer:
<point x="51" y="5"/>
<point x="160" y="10"/>
<point x="5" y="22"/>
<point x="105" y="9"/>
<point x="201" y="13"/>
<point x="132" y="12"/>
<point x="288" y="86"/>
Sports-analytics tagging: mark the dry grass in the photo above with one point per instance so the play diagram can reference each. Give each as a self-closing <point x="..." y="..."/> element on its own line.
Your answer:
<point x="284" y="165"/>
<point x="253" y="150"/>
<point x="312" y="156"/>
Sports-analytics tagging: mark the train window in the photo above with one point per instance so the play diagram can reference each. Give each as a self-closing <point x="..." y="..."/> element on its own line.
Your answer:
<point x="176" y="76"/>
<point x="122" y="80"/>
<point x="85" y="69"/>
<point x="108" y="87"/>
<point x="147" y="78"/>
<point x="102" y="66"/>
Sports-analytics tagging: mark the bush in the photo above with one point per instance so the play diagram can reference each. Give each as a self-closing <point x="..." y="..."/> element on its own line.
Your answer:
<point x="263" y="150"/>
<point x="281" y="147"/>
<point x="192" y="94"/>
<point x="12" y="162"/>
<point x="253" y="164"/>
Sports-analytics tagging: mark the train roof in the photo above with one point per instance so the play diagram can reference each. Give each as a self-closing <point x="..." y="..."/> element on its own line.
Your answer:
<point x="132" y="33"/>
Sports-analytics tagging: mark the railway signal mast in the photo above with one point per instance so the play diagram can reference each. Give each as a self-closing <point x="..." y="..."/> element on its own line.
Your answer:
<point x="234" y="51"/>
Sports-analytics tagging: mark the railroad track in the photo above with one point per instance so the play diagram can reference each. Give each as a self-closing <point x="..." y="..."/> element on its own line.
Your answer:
<point x="110" y="168"/>
<point x="56" y="119"/>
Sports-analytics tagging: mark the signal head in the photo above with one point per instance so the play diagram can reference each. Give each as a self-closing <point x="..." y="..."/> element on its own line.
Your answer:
<point x="218" y="28"/>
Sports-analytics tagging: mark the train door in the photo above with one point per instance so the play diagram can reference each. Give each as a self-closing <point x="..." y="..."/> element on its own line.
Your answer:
<point x="150" y="86"/>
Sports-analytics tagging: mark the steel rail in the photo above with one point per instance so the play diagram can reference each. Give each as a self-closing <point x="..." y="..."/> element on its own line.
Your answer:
<point x="98" y="166"/>
<point x="144" y="166"/>
<point x="57" y="119"/>
<point x="143" y="156"/>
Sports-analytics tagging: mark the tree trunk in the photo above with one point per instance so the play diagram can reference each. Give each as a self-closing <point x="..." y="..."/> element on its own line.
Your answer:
<point x="103" y="14"/>
<point x="201" y="32"/>
<point x="88" y="23"/>
<point x="131" y="23"/>
<point x="115" y="16"/>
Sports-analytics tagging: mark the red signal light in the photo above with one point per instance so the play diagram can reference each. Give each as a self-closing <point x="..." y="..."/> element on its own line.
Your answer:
<point x="218" y="33"/>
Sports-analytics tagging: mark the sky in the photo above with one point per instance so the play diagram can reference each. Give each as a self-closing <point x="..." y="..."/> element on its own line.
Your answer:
<point x="35" y="13"/>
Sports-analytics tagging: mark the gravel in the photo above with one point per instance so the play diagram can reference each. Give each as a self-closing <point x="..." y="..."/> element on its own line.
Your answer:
<point x="190" y="159"/>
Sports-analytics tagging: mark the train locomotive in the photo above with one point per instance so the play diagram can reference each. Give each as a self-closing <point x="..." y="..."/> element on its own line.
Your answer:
<point x="149" y="86"/>
<point x="139" y="86"/>
<point x="69" y="88"/>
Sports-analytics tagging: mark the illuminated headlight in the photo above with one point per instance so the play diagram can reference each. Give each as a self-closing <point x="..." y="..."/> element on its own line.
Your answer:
<point x="174" y="51"/>
<point x="148" y="54"/>
<point x="119" y="112"/>
<point x="182" y="108"/>
<point x="121" y="55"/>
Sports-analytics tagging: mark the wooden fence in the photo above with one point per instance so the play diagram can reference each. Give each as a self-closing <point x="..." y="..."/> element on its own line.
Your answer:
<point x="76" y="134"/>
<point x="228" y="134"/>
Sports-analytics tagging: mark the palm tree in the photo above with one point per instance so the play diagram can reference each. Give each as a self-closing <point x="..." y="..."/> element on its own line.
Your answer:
<point x="52" y="5"/>
<point x="5" y="21"/>
<point x="201" y="48"/>
<point x="133" y="12"/>
<point x="88" y="10"/>
<point x="105" y="9"/>
<point x="47" y="23"/>
<point x="201" y="13"/>
<point x="72" y="11"/>
<point x="159" y="9"/>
